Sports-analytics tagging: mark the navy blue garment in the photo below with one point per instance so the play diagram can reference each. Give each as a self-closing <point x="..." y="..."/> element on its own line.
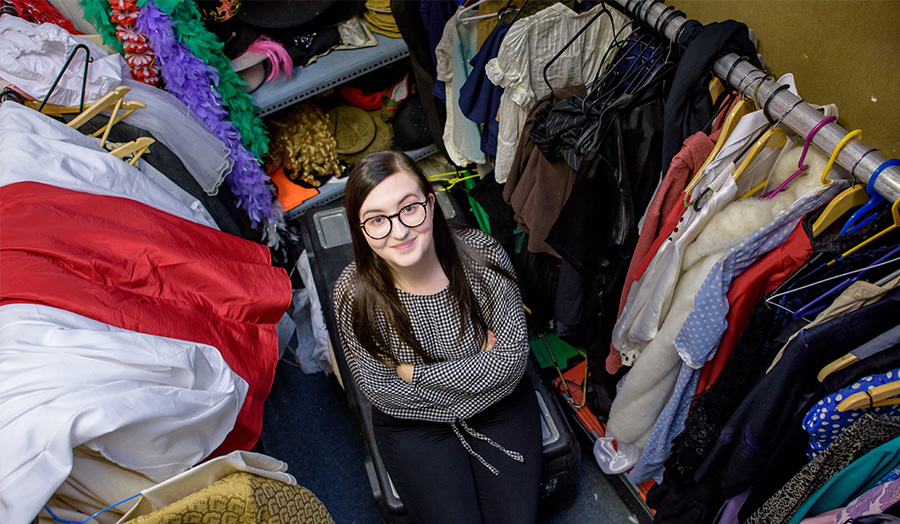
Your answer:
<point x="764" y="417"/>
<point x="479" y="99"/>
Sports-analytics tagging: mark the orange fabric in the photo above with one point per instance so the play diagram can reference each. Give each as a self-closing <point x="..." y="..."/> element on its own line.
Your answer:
<point x="290" y="195"/>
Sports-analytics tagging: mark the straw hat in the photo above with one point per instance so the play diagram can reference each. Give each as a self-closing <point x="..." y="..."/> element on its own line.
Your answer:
<point x="354" y="129"/>
<point x="380" y="19"/>
<point x="359" y="132"/>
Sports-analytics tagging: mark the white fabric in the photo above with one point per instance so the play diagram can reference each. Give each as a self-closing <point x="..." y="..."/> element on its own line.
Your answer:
<point x="320" y="354"/>
<point x="528" y="46"/>
<point x="457" y="47"/>
<point x="151" y="404"/>
<point x="32" y="55"/>
<point x="650" y="296"/>
<point x="175" y="190"/>
<point x="37" y="148"/>
<point x="171" y="122"/>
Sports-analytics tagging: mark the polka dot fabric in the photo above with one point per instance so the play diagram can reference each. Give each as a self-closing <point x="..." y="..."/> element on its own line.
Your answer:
<point x="824" y="422"/>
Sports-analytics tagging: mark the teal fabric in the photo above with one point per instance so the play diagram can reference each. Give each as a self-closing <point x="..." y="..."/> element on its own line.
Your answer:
<point x="852" y="481"/>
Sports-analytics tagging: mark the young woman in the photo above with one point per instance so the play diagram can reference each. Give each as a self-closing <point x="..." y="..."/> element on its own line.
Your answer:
<point x="433" y="329"/>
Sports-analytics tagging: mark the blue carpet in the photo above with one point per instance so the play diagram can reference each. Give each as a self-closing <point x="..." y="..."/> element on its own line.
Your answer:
<point x="307" y="424"/>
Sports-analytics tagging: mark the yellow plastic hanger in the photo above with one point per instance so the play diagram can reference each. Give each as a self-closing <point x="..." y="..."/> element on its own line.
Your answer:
<point x="57" y="110"/>
<point x="837" y="151"/>
<point x="741" y="108"/>
<point x="138" y="146"/>
<point x="883" y="395"/>
<point x="774" y="137"/>
<point x="716" y="88"/>
<point x="848" y="199"/>
<point x="452" y="181"/>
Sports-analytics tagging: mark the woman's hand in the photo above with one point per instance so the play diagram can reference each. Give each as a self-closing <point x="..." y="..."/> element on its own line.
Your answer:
<point x="405" y="372"/>
<point x="489" y="340"/>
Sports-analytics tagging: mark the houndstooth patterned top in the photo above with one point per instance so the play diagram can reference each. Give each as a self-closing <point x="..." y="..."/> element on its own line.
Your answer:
<point x="464" y="380"/>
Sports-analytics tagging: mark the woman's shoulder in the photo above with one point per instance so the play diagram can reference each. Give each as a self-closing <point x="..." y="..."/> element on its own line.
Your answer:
<point x="345" y="283"/>
<point x="476" y="238"/>
<point x="483" y="243"/>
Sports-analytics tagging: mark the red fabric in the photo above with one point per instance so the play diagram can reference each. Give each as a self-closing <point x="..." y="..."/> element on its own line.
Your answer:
<point x="748" y="288"/>
<point x="667" y="202"/>
<point x="363" y="99"/>
<point x="129" y="265"/>
<point x="42" y="11"/>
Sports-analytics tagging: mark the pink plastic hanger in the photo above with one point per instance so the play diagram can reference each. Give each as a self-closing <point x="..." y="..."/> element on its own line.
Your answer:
<point x="800" y="164"/>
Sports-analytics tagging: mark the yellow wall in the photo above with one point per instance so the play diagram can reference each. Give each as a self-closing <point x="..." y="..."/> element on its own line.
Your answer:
<point x="845" y="52"/>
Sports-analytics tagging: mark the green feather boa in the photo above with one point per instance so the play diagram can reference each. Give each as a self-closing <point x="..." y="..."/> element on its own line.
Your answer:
<point x="207" y="47"/>
<point x="98" y="11"/>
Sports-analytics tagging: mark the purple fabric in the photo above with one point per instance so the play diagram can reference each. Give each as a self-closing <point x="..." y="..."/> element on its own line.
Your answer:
<point x="191" y="81"/>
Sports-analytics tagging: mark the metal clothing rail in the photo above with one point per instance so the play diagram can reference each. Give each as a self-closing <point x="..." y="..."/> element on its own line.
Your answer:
<point x="856" y="157"/>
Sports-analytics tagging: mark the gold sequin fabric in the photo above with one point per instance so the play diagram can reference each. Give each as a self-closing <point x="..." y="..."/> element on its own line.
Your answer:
<point x="243" y="498"/>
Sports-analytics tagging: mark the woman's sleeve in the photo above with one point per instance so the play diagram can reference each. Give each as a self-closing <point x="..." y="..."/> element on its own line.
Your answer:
<point x="482" y="379"/>
<point x="378" y="382"/>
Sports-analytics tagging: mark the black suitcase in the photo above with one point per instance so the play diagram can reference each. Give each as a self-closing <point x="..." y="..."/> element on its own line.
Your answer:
<point x="327" y="240"/>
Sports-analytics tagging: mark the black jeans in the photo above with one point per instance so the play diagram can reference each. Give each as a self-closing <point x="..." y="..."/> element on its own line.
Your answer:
<point x="440" y="482"/>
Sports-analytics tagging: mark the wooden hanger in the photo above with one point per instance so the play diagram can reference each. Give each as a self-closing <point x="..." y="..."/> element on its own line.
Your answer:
<point x="741" y="108"/>
<point x="138" y="146"/>
<point x="883" y="395"/>
<point x="129" y="106"/>
<point x="837" y="365"/>
<point x="774" y="137"/>
<point x="112" y="99"/>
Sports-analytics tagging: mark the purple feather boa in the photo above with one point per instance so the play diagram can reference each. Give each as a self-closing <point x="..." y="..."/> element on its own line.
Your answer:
<point x="192" y="81"/>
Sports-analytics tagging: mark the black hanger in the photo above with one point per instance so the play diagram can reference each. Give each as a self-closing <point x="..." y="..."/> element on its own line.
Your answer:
<point x="584" y="28"/>
<point x="87" y="60"/>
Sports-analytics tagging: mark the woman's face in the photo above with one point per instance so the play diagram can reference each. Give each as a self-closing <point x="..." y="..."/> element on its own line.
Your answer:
<point x="403" y="247"/>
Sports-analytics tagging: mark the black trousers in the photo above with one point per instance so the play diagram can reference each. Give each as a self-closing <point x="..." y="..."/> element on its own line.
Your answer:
<point x="440" y="482"/>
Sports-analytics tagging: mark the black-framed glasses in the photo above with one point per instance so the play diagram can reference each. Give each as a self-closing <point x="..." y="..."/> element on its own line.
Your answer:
<point x="410" y="215"/>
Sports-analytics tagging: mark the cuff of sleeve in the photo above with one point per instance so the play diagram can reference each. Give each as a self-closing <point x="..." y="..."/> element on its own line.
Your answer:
<point x="417" y="375"/>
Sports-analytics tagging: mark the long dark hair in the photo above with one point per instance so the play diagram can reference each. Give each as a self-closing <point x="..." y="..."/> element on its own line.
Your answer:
<point x="374" y="288"/>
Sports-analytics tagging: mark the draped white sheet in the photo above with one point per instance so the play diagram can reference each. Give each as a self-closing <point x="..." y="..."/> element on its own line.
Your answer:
<point x="151" y="404"/>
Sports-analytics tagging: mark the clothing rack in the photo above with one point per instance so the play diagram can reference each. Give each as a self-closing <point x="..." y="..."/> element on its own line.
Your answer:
<point x="856" y="157"/>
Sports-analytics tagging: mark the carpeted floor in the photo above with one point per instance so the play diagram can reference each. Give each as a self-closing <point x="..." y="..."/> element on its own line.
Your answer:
<point x="307" y="424"/>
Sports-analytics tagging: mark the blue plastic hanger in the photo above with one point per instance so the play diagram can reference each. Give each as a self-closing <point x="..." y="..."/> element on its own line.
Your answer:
<point x="874" y="200"/>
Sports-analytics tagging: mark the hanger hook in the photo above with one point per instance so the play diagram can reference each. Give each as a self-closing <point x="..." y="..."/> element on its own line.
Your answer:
<point x="762" y="78"/>
<point x="777" y="90"/>
<point x="660" y="20"/>
<point x="837" y="151"/>
<point x="668" y="21"/>
<point x="87" y="60"/>
<point x="733" y="66"/>
<point x="858" y="160"/>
